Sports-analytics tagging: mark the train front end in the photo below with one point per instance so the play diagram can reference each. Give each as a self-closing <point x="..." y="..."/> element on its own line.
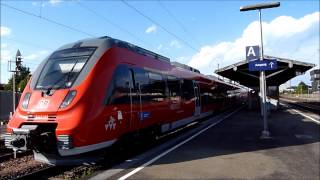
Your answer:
<point x="53" y="107"/>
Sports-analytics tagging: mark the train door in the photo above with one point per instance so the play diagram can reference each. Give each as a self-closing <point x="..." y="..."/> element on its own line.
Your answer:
<point x="119" y="102"/>
<point x="175" y="97"/>
<point x="197" y="110"/>
<point x="139" y="108"/>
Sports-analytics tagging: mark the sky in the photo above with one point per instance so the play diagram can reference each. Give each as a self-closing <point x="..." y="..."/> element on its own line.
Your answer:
<point x="203" y="34"/>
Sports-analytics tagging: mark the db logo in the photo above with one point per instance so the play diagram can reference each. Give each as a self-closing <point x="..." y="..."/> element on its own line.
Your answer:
<point x="43" y="103"/>
<point x="111" y="124"/>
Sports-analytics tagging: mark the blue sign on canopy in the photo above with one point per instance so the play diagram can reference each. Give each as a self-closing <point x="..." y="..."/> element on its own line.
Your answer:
<point x="265" y="65"/>
<point x="252" y="52"/>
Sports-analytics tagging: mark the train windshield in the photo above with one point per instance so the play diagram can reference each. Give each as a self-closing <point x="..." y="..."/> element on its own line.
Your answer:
<point x="63" y="67"/>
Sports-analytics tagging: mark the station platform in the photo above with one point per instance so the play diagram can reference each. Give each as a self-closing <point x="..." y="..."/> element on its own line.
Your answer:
<point x="232" y="149"/>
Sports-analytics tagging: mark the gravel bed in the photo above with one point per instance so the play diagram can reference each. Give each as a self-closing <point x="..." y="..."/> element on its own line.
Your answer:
<point x="81" y="172"/>
<point x="15" y="168"/>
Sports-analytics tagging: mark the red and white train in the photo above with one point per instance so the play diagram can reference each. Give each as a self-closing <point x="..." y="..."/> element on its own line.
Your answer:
<point x="87" y="95"/>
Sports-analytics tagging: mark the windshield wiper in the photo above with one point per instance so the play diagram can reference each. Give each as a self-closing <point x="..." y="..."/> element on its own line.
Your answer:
<point x="60" y="79"/>
<point x="69" y="73"/>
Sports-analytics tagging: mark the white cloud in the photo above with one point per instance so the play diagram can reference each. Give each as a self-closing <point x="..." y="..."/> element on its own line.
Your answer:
<point x="42" y="4"/>
<point x="284" y="36"/>
<point x="175" y="44"/>
<point x="55" y="2"/>
<point x="151" y="29"/>
<point x="5" y="55"/>
<point x="160" y="47"/>
<point x="4" y="31"/>
<point x="4" y="45"/>
<point x="8" y="52"/>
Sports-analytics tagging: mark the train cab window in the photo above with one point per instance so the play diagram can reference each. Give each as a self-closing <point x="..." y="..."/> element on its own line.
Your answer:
<point x="119" y="89"/>
<point x="187" y="89"/>
<point x="63" y="67"/>
<point x="174" y="87"/>
<point x="156" y="87"/>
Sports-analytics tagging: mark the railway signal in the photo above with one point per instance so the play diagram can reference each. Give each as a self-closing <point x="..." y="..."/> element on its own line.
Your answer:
<point x="15" y="67"/>
<point x="265" y="133"/>
<point x="18" y="60"/>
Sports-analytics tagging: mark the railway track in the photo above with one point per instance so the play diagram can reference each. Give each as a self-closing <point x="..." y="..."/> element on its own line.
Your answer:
<point x="7" y="154"/>
<point x="10" y="155"/>
<point x="306" y="106"/>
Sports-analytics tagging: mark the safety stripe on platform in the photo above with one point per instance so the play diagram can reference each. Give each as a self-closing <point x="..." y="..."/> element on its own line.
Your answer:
<point x="302" y="114"/>
<point x="309" y="117"/>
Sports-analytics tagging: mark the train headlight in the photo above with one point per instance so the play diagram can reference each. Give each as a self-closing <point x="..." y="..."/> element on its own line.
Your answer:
<point x="68" y="99"/>
<point x="25" y="100"/>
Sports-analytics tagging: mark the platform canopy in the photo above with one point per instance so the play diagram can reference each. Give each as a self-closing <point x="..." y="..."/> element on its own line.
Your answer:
<point x="287" y="69"/>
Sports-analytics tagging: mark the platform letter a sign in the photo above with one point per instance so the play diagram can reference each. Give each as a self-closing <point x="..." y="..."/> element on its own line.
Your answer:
<point x="252" y="52"/>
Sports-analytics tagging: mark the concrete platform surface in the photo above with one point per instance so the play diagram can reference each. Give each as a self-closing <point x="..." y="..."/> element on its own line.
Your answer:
<point x="233" y="150"/>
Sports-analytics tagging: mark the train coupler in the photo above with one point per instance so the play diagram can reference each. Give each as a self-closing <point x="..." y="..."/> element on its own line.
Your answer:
<point x="19" y="139"/>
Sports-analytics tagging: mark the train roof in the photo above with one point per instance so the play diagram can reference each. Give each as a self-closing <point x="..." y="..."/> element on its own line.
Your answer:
<point x="107" y="42"/>
<point x="189" y="68"/>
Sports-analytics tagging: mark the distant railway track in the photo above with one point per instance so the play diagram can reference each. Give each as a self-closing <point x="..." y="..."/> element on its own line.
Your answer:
<point x="304" y="105"/>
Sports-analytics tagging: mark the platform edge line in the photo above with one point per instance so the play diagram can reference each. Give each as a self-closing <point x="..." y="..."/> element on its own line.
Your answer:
<point x="302" y="114"/>
<point x="311" y="118"/>
<point x="175" y="147"/>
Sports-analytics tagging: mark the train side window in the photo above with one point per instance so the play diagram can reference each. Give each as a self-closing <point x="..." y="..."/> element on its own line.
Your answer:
<point x="156" y="87"/>
<point x="174" y="87"/>
<point x="207" y="97"/>
<point x="141" y="83"/>
<point x="119" y="89"/>
<point x="187" y="89"/>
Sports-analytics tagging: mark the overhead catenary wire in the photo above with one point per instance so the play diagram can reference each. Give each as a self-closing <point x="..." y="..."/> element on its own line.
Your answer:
<point x="178" y="22"/>
<point x="158" y="24"/>
<point x="113" y="23"/>
<point x="48" y="20"/>
<point x="24" y="42"/>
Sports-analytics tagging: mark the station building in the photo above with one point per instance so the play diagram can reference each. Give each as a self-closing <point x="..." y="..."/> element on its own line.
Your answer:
<point x="315" y="81"/>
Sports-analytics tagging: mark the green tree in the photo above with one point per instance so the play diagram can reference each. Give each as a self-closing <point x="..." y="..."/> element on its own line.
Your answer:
<point x="302" y="88"/>
<point x="21" y="79"/>
<point x="22" y="84"/>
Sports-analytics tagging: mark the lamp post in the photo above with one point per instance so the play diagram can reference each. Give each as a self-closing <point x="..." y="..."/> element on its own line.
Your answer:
<point x="262" y="79"/>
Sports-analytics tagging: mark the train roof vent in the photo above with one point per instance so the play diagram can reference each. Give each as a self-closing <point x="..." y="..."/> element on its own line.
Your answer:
<point x="105" y="37"/>
<point x="137" y="49"/>
<point x="141" y="51"/>
<point x="177" y="64"/>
